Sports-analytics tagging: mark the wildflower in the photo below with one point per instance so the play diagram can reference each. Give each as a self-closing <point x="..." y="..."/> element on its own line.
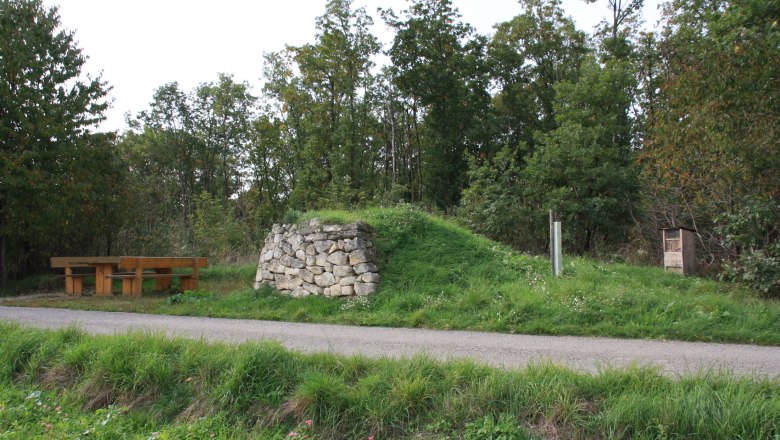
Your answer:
<point x="292" y="434"/>
<point x="308" y="423"/>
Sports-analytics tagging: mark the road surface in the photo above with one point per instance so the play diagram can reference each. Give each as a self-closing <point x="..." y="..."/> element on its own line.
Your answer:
<point x="502" y="350"/>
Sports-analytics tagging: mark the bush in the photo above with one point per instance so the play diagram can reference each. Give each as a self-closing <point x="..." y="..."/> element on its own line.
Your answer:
<point x="753" y="233"/>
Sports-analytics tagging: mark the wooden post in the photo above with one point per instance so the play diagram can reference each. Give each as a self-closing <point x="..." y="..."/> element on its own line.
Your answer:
<point x="138" y="281"/>
<point x="78" y="285"/>
<point x="163" y="283"/>
<point x="69" y="281"/>
<point x="103" y="279"/>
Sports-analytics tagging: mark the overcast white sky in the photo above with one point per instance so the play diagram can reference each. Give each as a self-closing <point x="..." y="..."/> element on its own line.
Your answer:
<point x="140" y="45"/>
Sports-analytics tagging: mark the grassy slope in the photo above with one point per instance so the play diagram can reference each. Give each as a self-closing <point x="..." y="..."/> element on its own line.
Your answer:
<point x="438" y="275"/>
<point x="146" y="386"/>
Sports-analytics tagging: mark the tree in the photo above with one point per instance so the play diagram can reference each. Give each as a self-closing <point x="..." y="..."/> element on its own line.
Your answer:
<point x="47" y="111"/>
<point x="439" y="63"/>
<point x="712" y="147"/>
<point x="325" y="95"/>
<point x="584" y="168"/>
<point x="528" y="56"/>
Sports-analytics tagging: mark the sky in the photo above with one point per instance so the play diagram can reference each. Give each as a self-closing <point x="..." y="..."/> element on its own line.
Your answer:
<point x="140" y="45"/>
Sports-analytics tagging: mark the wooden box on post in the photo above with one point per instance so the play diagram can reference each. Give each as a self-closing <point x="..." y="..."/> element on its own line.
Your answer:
<point x="679" y="250"/>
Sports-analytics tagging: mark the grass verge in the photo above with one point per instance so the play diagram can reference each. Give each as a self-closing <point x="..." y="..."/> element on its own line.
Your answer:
<point x="438" y="275"/>
<point x="69" y="384"/>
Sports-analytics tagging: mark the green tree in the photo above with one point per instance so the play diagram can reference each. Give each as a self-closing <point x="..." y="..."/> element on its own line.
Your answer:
<point x="439" y="63"/>
<point x="324" y="92"/>
<point x="528" y="55"/>
<point x="47" y="111"/>
<point x="222" y="115"/>
<point x="584" y="169"/>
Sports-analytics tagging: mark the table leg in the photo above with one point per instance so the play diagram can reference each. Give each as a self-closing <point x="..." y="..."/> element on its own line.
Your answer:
<point x="138" y="281"/>
<point x="69" y="281"/>
<point x="78" y="286"/>
<point x="127" y="287"/>
<point x="195" y="276"/>
<point x="103" y="279"/>
<point x="163" y="283"/>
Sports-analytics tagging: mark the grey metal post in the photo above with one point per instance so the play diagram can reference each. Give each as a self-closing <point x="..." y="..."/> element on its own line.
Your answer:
<point x="557" y="250"/>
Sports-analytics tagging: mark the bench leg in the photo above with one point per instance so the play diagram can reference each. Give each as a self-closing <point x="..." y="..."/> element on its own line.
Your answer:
<point x="138" y="281"/>
<point x="78" y="285"/>
<point x="188" y="283"/>
<point x="69" y="281"/>
<point x="163" y="283"/>
<point x="127" y="287"/>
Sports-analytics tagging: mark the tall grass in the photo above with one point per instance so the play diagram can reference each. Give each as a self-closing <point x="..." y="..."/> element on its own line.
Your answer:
<point x="438" y="275"/>
<point x="264" y="390"/>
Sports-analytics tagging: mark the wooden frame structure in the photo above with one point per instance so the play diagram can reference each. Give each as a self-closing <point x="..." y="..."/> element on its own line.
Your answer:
<point x="679" y="250"/>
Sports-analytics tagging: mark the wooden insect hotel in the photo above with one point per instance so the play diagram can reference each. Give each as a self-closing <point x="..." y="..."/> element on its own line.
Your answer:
<point x="679" y="250"/>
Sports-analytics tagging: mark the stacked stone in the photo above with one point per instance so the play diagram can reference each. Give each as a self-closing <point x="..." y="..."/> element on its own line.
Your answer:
<point x="315" y="259"/>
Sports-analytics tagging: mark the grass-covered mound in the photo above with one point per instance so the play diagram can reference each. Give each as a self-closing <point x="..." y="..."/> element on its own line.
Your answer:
<point x="436" y="274"/>
<point x="67" y="384"/>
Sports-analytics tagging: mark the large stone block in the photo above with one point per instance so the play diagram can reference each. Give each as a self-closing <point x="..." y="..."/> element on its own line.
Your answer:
<point x="365" y="267"/>
<point x="370" y="277"/>
<point x="363" y="289"/>
<point x="343" y="271"/>
<point x="355" y="244"/>
<point x="306" y="275"/>
<point x="360" y="256"/>
<point x="338" y="259"/>
<point x="292" y="262"/>
<point x="286" y="282"/>
<point x="323" y="246"/>
<point x="325" y="280"/>
<point x="347" y="281"/>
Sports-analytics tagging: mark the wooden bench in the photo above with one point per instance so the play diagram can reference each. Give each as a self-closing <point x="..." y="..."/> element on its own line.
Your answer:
<point x="132" y="281"/>
<point x="74" y="283"/>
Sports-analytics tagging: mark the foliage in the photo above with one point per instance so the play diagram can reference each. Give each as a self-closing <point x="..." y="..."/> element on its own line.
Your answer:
<point x="755" y="231"/>
<point x="439" y="63"/>
<point x="504" y="427"/>
<point x="192" y="296"/>
<point x="582" y="170"/>
<point x="712" y="140"/>
<point x="57" y="179"/>
<point x="151" y="387"/>
<point x="495" y="204"/>
<point x="528" y="56"/>
<point x="218" y="233"/>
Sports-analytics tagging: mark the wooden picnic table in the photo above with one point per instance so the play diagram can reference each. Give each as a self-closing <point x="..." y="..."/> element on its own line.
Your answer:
<point x="106" y="270"/>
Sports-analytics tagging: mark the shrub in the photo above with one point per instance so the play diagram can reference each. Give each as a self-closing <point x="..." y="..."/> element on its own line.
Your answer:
<point x="753" y="233"/>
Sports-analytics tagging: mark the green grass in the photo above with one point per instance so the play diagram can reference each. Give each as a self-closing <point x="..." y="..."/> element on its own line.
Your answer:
<point x="64" y="384"/>
<point x="438" y="275"/>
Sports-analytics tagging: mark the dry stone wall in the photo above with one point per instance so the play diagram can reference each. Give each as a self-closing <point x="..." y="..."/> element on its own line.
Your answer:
<point x="316" y="259"/>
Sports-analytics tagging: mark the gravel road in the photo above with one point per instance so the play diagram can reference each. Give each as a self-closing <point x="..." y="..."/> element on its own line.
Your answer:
<point x="503" y="350"/>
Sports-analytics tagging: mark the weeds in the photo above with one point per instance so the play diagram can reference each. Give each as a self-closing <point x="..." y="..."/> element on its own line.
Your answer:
<point x="192" y="296"/>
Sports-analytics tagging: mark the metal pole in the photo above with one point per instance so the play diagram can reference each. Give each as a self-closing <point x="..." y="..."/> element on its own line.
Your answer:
<point x="558" y="250"/>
